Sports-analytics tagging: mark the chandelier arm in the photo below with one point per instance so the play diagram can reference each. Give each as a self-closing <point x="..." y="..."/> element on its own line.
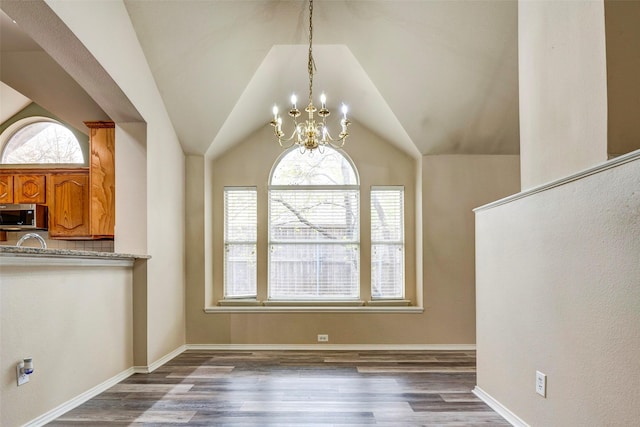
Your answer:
<point x="341" y="138"/>
<point x="283" y="144"/>
<point x="282" y="141"/>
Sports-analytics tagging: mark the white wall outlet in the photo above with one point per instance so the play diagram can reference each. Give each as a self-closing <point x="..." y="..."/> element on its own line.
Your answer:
<point x="323" y="338"/>
<point x="541" y="384"/>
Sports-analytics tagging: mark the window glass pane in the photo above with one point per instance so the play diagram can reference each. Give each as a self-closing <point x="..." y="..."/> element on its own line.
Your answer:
<point x="42" y="142"/>
<point x="387" y="242"/>
<point x="387" y="271"/>
<point x="240" y="234"/>
<point x="314" y="227"/>
<point x="314" y="215"/>
<point x="387" y="208"/>
<point x="327" y="168"/>
<point x="314" y="271"/>
<point x="240" y="270"/>
<point x="240" y="214"/>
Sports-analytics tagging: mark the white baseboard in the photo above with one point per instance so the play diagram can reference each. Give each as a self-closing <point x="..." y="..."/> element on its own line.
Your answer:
<point x="164" y="359"/>
<point x="499" y="408"/>
<point x="78" y="400"/>
<point x="347" y="347"/>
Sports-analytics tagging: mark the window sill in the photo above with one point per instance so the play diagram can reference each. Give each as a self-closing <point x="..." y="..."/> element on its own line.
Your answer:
<point x="239" y="302"/>
<point x="255" y="306"/>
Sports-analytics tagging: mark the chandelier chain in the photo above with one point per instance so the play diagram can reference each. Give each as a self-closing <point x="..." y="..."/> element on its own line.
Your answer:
<point x="311" y="64"/>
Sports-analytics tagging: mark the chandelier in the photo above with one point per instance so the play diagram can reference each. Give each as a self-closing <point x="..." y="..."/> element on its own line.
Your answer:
<point x="311" y="134"/>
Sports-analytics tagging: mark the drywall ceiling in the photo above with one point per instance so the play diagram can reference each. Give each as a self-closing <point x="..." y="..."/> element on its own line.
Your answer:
<point x="429" y="76"/>
<point x="28" y="70"/>
<point x="11" y="102"/>
<point x="432" y="77"/>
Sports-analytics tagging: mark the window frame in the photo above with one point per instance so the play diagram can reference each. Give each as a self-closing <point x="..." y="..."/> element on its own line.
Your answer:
<point x="226" y="241"/>
<point x="391" y="243"/>
<point x="14" y="128"/>
<point x="227" y="172"/>
<point x="351" y="189"/>
<point x="353" y="242"/>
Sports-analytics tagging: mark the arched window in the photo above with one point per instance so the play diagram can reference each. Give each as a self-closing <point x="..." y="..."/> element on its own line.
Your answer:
<point x="314" y="223"/>
<point x="41" y="141"/>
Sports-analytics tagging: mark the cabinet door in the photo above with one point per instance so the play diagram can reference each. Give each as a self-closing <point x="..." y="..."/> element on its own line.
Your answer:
<point x="6" y="189"/>
<point x="69" y="207"/>
<point x="102" y="179"/>
<point x="29" y="189"/>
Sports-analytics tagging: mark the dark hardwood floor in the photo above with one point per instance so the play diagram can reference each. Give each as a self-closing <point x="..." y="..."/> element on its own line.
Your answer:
<point x="296" y="388"/>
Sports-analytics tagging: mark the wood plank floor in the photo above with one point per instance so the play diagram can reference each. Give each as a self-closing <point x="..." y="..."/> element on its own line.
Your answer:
<point x="296" y="388"/>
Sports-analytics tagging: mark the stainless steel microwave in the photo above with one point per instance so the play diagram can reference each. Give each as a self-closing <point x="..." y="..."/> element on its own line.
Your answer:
<point x="20" y="217"/>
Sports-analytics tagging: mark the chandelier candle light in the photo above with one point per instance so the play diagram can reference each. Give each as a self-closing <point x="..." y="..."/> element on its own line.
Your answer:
<point x="310" y="134"/>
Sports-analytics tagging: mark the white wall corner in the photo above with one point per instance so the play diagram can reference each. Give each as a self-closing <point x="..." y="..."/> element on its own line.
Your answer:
<point x="164" y="359"/>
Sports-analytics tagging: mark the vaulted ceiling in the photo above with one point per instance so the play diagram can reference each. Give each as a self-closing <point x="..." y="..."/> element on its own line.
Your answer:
<point x="432" y="77"/>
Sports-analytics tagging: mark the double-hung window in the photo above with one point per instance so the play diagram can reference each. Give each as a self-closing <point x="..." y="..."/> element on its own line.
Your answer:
<point x="314" y="223"/>
<point x="387" y="242"/>
<point x="240" y="235"/>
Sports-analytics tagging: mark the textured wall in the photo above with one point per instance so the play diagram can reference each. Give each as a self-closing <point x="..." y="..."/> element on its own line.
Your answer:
<point x="558" y="290"/>
<point x="76" y="323"/>
<point x="159" y="159"/>
<point x="563" y="88"/>
<point x="451" y="187"/>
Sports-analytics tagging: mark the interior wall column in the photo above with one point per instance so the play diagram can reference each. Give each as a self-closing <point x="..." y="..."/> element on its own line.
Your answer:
<point x="197" y="256"/>
<point x="622" y="19"/>
<point x="563" y="88"/>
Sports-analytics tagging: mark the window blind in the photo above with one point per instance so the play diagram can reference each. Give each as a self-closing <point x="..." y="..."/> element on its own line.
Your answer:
<point x="314" y="243"/>
<point x="240" y="235"/>
<point x="387" y="242"/>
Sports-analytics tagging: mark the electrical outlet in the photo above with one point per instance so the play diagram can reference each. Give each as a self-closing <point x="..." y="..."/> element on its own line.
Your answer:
<point x="323" y="338"/>
<point x="541" y="384"/>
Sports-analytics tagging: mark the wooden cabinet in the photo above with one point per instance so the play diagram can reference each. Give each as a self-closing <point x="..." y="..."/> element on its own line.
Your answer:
<point x="68" y="205"/>
<point x="6" y="189"/>
<point x="83" y="205"/>
<point x="102" y="179"/>
<point x="29" y="189"/>
<point x="81" y="201"/>
<point x="23" y="188"/>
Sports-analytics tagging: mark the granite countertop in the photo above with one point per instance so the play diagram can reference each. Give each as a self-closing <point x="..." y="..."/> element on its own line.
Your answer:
<point x="66" y="253"/>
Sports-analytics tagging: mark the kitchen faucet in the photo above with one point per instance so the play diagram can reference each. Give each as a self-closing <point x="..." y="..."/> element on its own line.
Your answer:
<point x="36" y="236"/>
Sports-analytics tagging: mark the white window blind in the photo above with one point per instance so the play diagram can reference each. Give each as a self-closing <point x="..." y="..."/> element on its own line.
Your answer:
<point x="240" y="235"/>
<point x="314" y="226"/>
<point x="387" y="242"/>
<point x="314" y="243"/>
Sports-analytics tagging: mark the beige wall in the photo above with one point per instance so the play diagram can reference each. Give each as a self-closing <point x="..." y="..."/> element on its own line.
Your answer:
<point x="76" y="323"/>
<point x="563" y="88"/>
<point x="131" y="188"/>
<point x="622" y="20"/>
<point x="197" y="252"/>
<point x="451" y="187"/>
<point x="113" y="42"/>
<point x="377" y="162"/>
<point x="558" y="292"/>
<point x="557" y="270"/>
<point x="150" y="219"/>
